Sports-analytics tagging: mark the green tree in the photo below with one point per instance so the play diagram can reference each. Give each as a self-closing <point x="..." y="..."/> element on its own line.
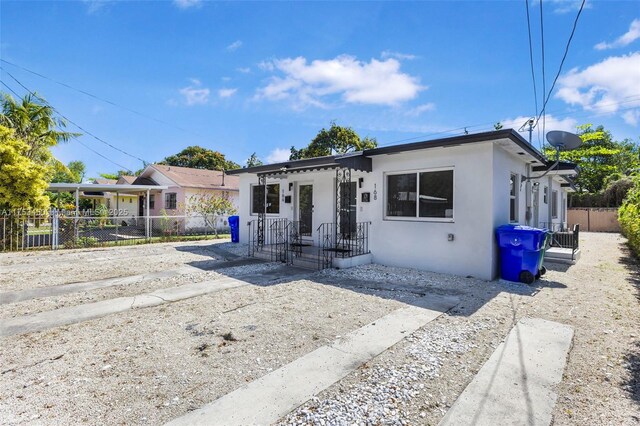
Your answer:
<point x="197" y="157"/>
<point x="254" y="161"/>
<point x="74" y="172"/>
<point x="337" y="139"/>
<point x="23" y="180"/>
<point x="599" y="157"/>
<point x="211" y="207"/>
<point x="34" y="123"/>
<point x="116" y="175"/>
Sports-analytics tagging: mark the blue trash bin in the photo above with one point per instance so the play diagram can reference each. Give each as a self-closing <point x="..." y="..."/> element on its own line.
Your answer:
<point x="521" y="249"/>
<point x="234" y="224"/>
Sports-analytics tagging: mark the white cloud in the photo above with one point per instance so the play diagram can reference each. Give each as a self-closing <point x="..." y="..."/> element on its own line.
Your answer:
<point x="246" y="70"/>
<point x="376" y="82"/>
<point x="195" y="94"/>
<point x="567" y="124"/>
<point x="95" y="6"/>
<point x="418" y="110"/>
<point x="278" y="155"/>
<point x="390" y="54"/>
<point x="234" y="46"/>
<point x="186" y="4"/>
<point x="627" y="38"/>
<point x="227" y="93"/>
<point x="565" y="6"/>
<point x="632" y="117"/>
<point x="604" y="87"/>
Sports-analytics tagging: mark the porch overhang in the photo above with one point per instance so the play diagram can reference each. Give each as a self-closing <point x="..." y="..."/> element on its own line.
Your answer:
<point x="94" y="187"/>
<point x="354" y="161"/>
<point x="561" y="169"/>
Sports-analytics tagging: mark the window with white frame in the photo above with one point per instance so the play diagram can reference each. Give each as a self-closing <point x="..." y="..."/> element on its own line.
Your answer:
<point x="152" y="201"/>
<point x="513" y="197"/>
<point x="170" y="200"/>
<point x="545" y="198"/>
<point x="271" y="197"/>
<point x="554" y="204"/>
<point x="420" y="195"/>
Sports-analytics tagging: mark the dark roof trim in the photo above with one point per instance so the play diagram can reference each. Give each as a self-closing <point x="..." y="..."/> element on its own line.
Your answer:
<point x="355" y="161"/>
<point x="360" y="160"/>
<point x="563" y="165"/>
<point x="461" y="140"/>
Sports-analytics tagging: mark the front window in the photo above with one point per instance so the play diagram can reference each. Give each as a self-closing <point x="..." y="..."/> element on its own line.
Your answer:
<point x="554" y="204"/>
<point x="513" y="198"/>
<point x="170" y="200"/>
<point x="546" y="195"/>
<point x="271" y="198"/>
<point x="427" y="195"/>
<point x="152" y="201"/>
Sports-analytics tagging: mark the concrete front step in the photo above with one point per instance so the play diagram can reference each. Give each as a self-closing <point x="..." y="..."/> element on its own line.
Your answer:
<point x="561" y="255"/>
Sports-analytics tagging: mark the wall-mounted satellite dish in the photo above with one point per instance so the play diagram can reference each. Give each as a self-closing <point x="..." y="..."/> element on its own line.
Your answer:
<point x="563" y="141"/>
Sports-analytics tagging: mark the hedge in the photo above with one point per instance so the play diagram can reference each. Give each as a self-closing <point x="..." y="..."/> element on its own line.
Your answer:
<point x="629" y="216"/>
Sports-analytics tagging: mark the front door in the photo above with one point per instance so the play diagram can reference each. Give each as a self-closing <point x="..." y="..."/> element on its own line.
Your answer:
<point x="348" y="199"/>
<point x="305" y="209"/>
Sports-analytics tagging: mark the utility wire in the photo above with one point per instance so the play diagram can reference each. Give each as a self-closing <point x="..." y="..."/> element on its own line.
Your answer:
<point x="544" y="78"/>
<point x="533" y="74"/>
<point x="72" y="122"/>
<point x="84" y="92"/>
<point x="566" y="51"/>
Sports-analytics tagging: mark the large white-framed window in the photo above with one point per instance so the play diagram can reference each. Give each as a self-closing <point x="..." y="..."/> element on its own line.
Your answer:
<point x="271" y="198"/>
<point x="420" y="195"/>
<point x="514" y="190"/>
<point x="554" y="204"/>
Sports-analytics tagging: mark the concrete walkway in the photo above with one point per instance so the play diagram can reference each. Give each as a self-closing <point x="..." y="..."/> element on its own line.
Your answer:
<point x="516" y="385"/>
<point x="57" y="290"/>
<point x="75" y="314"/>
<point x="267" y="399"/>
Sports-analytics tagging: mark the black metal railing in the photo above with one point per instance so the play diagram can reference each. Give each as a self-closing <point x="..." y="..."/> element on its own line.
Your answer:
<point x="567" y="239"/>
<point x="342" y="243"/>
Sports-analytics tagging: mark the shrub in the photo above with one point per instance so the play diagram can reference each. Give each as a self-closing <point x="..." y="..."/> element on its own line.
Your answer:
<point x="629" y="216"/>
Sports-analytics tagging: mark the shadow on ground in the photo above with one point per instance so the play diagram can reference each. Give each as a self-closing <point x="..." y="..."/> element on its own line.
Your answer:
<point x="472" y="292"/>
<point x="632" y="264"/>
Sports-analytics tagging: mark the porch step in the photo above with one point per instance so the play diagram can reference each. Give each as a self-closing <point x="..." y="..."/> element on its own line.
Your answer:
<point x="561" y="255"/>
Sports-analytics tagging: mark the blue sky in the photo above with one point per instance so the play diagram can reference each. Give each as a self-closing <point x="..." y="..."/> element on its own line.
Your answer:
<point x="240" y="77"/>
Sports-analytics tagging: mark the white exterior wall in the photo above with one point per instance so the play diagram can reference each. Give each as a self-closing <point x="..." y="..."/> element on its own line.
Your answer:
<point x="424" y="244"/>
<point x="482" y="174"/>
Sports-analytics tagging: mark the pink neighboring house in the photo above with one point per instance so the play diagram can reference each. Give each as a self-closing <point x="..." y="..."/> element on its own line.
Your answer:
<point x="183" y="183"/>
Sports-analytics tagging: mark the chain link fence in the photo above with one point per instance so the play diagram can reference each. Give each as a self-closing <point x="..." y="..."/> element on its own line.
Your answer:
<point x="53" y="230"/>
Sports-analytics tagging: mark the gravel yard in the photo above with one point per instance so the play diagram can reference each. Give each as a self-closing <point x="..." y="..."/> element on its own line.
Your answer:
<point x="147" y="366"/>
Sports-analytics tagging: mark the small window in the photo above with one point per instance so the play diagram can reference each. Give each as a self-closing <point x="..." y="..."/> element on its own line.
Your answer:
<point x="271" y="198"/>
<point x="170" y="200"/>
<point x="152" y="201"/>
<point x="513" y="198"/>
<point x="427" y="195"/>
<point x="545" y="197"/>
<point x="554" y="204"/>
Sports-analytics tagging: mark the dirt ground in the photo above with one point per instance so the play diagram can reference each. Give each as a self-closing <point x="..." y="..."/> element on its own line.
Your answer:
<point x="147" y="366"/>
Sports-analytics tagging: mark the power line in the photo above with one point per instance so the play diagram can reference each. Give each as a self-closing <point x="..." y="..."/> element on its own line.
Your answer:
<point x="566" y="51"/>
<point x="84" y="92"/>
<point x="544" y="78"/>
<point x="533" y="74"/>
<point x="72" y="122"/>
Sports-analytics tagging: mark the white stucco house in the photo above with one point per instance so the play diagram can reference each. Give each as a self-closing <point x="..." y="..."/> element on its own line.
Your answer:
<point x="431" y="205"/>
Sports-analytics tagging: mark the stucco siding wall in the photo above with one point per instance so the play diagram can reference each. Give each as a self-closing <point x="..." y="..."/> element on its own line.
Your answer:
<point x="424" y="244"/>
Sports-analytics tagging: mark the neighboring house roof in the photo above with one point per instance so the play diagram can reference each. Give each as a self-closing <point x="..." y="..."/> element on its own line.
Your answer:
<point x="125" y="179"/>
<point x="197" y="178"/>
<point x="103" y="181"/>
<point x="511" y="140"/>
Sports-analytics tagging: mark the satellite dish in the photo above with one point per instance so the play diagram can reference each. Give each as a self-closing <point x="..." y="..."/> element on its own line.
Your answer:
<point x="563" y="140"/>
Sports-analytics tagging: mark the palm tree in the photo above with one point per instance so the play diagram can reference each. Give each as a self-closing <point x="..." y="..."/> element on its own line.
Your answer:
<point x="33" y="122"/>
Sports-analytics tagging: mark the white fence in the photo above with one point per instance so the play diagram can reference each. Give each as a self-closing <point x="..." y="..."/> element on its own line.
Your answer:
<point x="53" y="230"/>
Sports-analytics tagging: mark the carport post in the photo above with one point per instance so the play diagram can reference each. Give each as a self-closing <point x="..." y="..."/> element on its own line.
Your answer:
<point x="77" y="212"/>
<point x="146" y="220"/>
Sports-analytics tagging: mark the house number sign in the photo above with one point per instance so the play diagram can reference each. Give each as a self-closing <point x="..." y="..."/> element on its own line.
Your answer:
<point x="375" y="192"/>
